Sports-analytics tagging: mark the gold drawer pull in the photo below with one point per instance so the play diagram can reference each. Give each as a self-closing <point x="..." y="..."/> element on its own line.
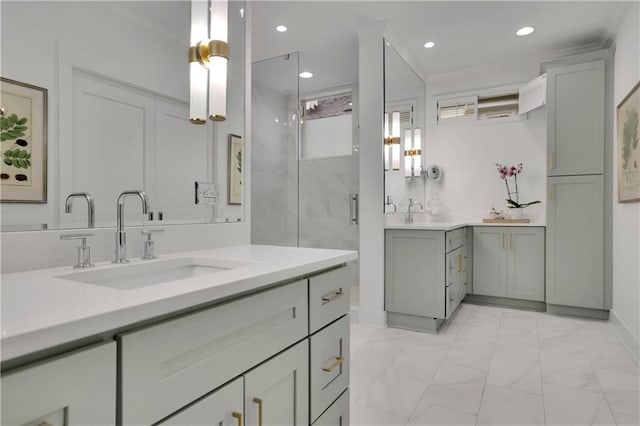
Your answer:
<point x="459" y="263"/>
<point x="259" y="402"/>
<point x="330" y="297"/>
<point x="339" y="360"/>
<point x="238" y="417"/>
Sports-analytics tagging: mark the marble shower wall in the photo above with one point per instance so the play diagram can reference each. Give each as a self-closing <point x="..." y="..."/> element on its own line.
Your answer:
<point x="274" y="171"/>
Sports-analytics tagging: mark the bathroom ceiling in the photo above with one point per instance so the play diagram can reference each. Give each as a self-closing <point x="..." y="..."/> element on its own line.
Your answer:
<point x="466" y="33"/>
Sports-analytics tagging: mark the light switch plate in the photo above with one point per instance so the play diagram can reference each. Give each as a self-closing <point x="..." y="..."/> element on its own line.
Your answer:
<point x="206" y="193"/>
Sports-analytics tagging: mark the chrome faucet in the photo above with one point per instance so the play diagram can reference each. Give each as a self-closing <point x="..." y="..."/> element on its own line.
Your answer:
<point x="91" y="209"/>
<point x="121" y="235"/>
<point x="409" y="217"/>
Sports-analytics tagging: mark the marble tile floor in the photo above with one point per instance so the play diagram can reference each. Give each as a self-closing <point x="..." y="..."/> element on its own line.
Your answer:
<point x="494" y="366"/>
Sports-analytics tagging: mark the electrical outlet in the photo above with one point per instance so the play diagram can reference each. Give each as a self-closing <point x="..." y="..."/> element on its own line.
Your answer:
<point x="206" y="193"/>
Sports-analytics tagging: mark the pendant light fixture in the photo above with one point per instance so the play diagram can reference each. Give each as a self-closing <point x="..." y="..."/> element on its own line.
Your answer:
<point x="392" y="140"/>
<point x="208" y="60"/>
<point x="412" y="153"/>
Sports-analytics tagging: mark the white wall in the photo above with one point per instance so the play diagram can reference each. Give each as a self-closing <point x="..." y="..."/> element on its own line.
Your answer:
<point x="626" y="217"/>
<point x="467" y="152"/>
<point x="371" y="83"/>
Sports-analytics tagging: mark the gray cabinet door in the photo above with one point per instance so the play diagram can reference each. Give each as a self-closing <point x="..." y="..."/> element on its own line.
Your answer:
<point x="224" y="407"/>
<point x="575" y="120"/>
<point x="73" y="390"/>
<point x="277" y="392"/>
<point x="525" y="263"/>
<point x="489" y="261"/>
<point x="575" y="241"/>
<point x="414" y="272"/>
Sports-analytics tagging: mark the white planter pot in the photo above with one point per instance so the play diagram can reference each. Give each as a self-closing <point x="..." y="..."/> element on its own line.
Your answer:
<point x="516" y="213"/>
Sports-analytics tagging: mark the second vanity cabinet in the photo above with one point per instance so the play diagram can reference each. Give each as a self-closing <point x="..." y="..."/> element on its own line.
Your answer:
<point x="509" y="262"/>
<point x="425" y="276"/>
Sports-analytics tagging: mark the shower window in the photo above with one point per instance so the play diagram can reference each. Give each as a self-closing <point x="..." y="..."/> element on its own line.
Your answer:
<point x="327" y="126"/>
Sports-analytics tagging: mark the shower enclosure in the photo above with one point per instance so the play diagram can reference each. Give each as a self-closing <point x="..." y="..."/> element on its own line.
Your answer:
<point x="304" y="162"/>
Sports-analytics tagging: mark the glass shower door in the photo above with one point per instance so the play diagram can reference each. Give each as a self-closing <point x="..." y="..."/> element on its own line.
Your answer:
<point x="328" y="174"/>
<point x="304" y="162"/>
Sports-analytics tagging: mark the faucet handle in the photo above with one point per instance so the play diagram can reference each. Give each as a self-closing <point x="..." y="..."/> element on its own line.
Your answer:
<point x="149" y="244"/>
<point x="149" y="232"/>
<point x="84" y="251"/>
<point x="79" y="236"/>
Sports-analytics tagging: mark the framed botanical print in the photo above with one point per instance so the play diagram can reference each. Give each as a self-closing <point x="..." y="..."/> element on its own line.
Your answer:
<point x="628" y="130"/>
<point x="23" y="142"/>
<point x="235" y="176"/>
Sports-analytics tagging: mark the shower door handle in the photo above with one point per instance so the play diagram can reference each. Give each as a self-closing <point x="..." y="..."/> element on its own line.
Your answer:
<point x="354" y="208"/>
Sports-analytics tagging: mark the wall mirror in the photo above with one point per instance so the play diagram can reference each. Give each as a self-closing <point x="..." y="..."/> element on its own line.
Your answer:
<point x="404" y="106"/>
<point x="116" y="75"/>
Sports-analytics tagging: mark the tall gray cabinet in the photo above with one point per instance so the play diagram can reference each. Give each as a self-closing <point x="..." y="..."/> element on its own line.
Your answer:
<point x="576" y="134"/>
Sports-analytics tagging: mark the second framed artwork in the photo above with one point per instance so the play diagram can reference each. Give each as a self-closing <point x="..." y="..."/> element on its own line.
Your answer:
<point x="235" y="170"/>
<point x="628" y="129"/>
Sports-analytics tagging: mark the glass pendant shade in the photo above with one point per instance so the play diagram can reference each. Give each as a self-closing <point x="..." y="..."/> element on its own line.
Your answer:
<point x="408" y="159"/>
<point x="198" y="77"/>
<point x="218" y="63"/>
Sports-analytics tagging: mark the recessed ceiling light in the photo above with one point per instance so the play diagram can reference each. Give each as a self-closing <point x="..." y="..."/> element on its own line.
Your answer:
<point x="281" y="28"/>
<point x="525" y="31"/>
<point x="305" y="74"/>
<point x="429" y="44"/>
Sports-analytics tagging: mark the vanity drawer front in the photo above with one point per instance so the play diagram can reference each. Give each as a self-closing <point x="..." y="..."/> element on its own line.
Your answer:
<point x="455" y="238"/>
<point x="329" y="297"/>
<point x="337" y="414"/>
<point x="329" y="365"/>
<point x="165" y="367"/>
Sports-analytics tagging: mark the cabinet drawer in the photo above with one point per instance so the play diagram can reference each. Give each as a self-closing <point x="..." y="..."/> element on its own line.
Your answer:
<point x="455" y="239"/>
<point x="329" y="365"/>
<point x="329" y="297"/>
<point x="77" y="390"/>
<point x="165" y="367"/>
<point x="337" y="414"/>
<point x="223" y="407"/>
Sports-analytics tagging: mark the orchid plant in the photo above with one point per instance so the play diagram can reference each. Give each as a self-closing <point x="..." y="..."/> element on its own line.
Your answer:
<point x="506" y="172"/>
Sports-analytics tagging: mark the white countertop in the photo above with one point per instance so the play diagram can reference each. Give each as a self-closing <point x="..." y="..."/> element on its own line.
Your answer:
<point x="450" y="226"/>
<point x="40" y="310"/>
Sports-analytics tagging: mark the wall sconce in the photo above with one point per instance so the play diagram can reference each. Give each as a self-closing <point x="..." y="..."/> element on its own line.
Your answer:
<point x="208" y="60"/>
<point x="392" y="141"/>
<point x="412" y="153"/>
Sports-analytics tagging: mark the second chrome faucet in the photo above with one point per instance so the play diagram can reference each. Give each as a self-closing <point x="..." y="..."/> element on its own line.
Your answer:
<point x="121" y="235"/>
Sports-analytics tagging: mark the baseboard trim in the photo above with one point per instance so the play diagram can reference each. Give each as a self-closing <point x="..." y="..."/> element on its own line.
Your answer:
<point x="531" y="305"/>
<point x="574" y="311"/>
<point x="374" y="318"/>
<point x="628" y="340"/>
<point x="354" y="313"/>
<point x="414" y="322"/>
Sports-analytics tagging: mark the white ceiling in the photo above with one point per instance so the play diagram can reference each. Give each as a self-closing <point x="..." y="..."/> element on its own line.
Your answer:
<point x="467" y="33"/>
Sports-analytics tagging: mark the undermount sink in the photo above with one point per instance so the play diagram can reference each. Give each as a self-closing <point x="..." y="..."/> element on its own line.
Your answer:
<point x="126" y="277"/>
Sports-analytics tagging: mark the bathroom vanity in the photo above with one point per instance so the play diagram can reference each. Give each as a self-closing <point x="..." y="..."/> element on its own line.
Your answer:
<point x="430" y="268"/>
<point x="241" y="335"/>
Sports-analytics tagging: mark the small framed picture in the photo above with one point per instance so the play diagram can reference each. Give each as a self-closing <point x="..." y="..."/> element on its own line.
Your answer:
<point x="236" y="169"/>
<point x="628" y="130"/>
<point x="23" y="142"/>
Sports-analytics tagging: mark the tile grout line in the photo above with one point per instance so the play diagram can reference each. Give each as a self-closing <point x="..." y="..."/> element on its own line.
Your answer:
<point x="544" y="407"/>
<point x="486" y="377"/>
<point x="436" y="371"/>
